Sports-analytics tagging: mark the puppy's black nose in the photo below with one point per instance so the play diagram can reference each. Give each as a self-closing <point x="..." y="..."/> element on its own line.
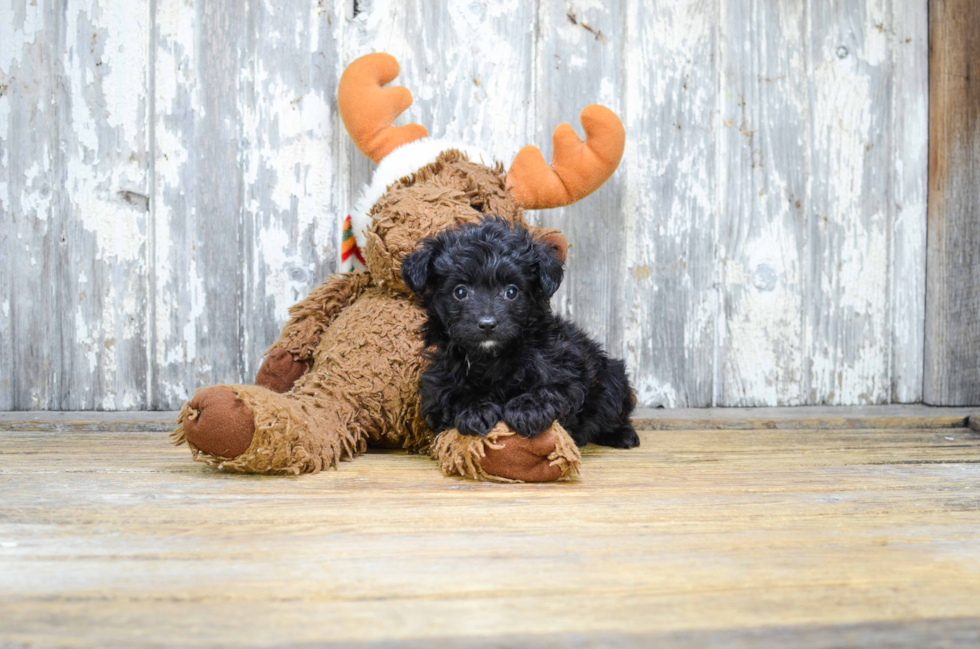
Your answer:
<point x="487" y="324"/>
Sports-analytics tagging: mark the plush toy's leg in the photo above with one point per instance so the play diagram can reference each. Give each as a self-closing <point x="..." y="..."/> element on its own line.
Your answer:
<point x="504" y="456"/>
<point x="250" y="429"/>
<point x="311" y="316"/>
<point x="214" y="423"/>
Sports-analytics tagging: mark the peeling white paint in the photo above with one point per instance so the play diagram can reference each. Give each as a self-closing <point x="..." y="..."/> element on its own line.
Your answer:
<point x="463" y="92"/>
<point x="277" y="262"/>
<point x="92" y="184"/>
<point x="300" y="163"/>
<point x="72" y="133"/>
<point x="22" y="22"/>
<point x="37" y="195"/>
<point x="850" y="355"/>
<point x="124" y="57"/>
<point x="719" y="294"/>
<point x="653" y="393"/>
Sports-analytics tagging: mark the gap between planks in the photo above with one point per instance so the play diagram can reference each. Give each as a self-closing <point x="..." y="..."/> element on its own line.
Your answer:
<point x="790" y="418"/>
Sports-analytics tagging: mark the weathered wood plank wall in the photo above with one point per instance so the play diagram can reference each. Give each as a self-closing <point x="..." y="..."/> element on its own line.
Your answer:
<point x="173" y="174"/>
<point x="74" y="179"/>
<point x="952" y="356"/>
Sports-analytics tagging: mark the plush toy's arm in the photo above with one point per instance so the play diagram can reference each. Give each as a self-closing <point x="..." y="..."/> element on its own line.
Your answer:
<point x="290" y="356"/>
<point x="309" y="317"/>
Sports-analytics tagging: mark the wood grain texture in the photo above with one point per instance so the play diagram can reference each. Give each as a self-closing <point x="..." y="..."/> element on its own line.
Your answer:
<point x="580" y="60"/>
<point x="908" y="116"/>
<point x="291" y="163"/>
<point x="671" y="192"/>
<point x="822" y="229"/>
<point x="115" y="538"/>
<point x="73" y="205"/>
<point x="952" y="346"/>
<point x="469" y="67"/>
<point x="32" y="211"/>
<point x="245" y="210"/>
<point x="172" y="187"/>
<point x="764" y="178"/>
<point x="847" y="340"/>
<point x="198" y="198"/>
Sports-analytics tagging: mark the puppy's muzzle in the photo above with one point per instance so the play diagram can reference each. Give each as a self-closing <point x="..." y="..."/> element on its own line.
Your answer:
<point x="487" y="324"/>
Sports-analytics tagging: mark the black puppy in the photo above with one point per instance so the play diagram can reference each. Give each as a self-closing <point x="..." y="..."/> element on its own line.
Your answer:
<point x="497" y="351"/>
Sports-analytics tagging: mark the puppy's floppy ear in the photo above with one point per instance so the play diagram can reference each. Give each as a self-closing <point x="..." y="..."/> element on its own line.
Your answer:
<point x="416" y="268"/>
<point x="554" y="238"/>
<point x="551" y="249"/>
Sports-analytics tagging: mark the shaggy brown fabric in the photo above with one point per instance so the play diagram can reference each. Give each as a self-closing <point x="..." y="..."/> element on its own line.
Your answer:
<point x="504" y="456"/>
<point x="280" y="370"/>
<point x="311" y="316"/>
<point x="287" y="438"/>
<point x="448" y="192"/>
<point x="360" y="334"/>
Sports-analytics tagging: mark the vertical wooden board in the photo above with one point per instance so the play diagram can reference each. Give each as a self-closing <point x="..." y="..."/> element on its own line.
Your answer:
<point x="292" y="214"/>
<point x="77" y="74"/>
<point x="31" y="207"/>
<point x="909" y="133"/>
<point x="848" y="330"/>
<point x="470" y="68"/>
<point x="104" y="140"/>
<point x="671" y="111"/>
<point x="198" y="198"/>
<point x="763" y="183"/>
<point x="952" y="328"/>
<point x="579" y="61"/>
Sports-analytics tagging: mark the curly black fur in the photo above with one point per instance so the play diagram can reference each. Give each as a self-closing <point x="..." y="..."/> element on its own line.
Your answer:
<point x="497" y="351"/>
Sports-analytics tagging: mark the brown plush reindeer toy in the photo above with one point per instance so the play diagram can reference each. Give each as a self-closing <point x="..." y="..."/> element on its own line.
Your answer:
<point x="344" y="373"/>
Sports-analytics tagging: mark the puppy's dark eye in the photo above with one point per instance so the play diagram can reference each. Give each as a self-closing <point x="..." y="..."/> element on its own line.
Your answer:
<point x="460" y="292"/>
<point x="511" y="292"/>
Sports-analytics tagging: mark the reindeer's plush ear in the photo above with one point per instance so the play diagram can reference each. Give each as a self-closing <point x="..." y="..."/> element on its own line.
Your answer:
<point x="416" y="268"/>
<point x="550" y="250"/>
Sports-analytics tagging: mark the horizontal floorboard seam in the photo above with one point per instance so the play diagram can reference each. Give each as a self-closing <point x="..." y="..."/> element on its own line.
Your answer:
<point x="789" y="418"/>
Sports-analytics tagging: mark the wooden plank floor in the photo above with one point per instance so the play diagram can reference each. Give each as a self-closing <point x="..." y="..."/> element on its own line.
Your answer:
<point x="804" y="536"/>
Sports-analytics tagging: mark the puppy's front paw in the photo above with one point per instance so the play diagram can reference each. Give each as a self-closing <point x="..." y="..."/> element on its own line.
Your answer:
<point x="630" y="438"/>
<point x="478" y="419"/>
<point x="527" y="416"/>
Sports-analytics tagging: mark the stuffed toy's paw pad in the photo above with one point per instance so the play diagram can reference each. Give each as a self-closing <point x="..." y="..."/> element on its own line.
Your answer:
<point x="527" y="459"/>
<point x="216" y="422"/>
<point x="280" y="371"/>
<point x="503" y="456"/>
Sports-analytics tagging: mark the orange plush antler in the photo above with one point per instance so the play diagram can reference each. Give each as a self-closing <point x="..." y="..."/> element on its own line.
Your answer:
<point x="368" y="109"/>
<point x="578" y="168"/>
